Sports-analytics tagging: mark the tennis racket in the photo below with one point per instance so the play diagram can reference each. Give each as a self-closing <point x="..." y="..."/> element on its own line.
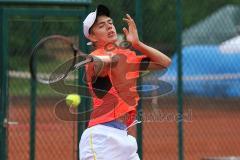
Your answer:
<point x="54" y="57"/>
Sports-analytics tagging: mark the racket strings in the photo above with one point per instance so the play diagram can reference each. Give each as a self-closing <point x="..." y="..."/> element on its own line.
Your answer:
<point x="50" y="57"/>
<point x="57" y="58"/>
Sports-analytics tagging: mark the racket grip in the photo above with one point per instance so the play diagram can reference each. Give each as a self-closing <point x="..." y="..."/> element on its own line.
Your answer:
<point x="104" y="59"/>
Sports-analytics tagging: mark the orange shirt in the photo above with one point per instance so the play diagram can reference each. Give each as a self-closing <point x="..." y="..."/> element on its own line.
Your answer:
<point x="115" y="95"/>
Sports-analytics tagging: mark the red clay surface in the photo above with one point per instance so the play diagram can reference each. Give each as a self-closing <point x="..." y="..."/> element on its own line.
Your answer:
<point x="211" y="128"/>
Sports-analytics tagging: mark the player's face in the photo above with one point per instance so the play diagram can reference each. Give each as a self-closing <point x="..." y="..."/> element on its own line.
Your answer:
<point x="103" y="31"/>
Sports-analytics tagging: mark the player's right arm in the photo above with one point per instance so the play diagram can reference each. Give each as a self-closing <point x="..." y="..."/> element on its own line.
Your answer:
<point x="102" y="65"/>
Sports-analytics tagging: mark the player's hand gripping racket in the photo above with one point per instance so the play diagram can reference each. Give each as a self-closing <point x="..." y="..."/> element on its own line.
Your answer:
<point x="54" y="57"/>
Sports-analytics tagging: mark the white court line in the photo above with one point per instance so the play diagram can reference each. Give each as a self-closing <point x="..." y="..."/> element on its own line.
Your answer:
<point x="26" y="75"/>
<point x="207" y="77"/>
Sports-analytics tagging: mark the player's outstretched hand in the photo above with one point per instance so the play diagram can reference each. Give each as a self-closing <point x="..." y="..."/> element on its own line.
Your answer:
<point x="132" y="33"/>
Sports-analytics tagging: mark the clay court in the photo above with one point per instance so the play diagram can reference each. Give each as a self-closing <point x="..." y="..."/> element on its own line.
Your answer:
<point x="210" y="130"/>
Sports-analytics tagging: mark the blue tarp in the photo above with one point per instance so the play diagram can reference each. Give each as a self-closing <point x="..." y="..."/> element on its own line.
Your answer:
<point x="207" y="72"/>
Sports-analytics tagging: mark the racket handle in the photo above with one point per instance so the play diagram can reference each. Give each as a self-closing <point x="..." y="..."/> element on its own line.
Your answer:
<point x="112" y="60"/>
<point x="104" y="59"/>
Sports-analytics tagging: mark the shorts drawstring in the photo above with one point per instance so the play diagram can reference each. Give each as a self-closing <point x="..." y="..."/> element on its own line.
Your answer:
<point x="133" y="123"/>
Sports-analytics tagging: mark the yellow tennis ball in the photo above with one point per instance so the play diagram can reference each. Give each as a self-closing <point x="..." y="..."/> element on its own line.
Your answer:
<point x="73" y="100"/>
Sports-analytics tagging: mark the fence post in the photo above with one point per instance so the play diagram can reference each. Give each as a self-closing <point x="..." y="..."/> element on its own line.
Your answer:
<point x="4" y="84"/>
<point x="85" y="103"/>
<point x="138" y="16"/>
<point x="179" y="86"/>
<point x="33" y="91"/>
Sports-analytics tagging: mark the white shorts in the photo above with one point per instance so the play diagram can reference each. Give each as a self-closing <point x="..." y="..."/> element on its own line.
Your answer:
<point x="102" y="142"/>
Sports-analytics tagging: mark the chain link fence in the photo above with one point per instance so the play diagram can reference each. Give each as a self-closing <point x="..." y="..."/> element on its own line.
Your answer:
<point x="211" y="84"/>
<point x="211" y="80"/>
<point x="34" y="130"/>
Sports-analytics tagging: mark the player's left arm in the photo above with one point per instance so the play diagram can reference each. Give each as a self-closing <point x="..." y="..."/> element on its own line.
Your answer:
<point x="158" y="60"/>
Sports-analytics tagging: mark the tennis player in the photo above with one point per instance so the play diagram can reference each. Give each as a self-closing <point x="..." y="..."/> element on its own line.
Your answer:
<point x="113" y="87"/>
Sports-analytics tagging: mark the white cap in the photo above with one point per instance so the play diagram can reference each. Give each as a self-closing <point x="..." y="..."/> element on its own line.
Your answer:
<point x="88" y="22"/>
<point x="91" y="18"/>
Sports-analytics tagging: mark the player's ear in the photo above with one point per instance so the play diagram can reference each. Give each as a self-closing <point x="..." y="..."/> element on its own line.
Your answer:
<point x="92" y="37"/>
